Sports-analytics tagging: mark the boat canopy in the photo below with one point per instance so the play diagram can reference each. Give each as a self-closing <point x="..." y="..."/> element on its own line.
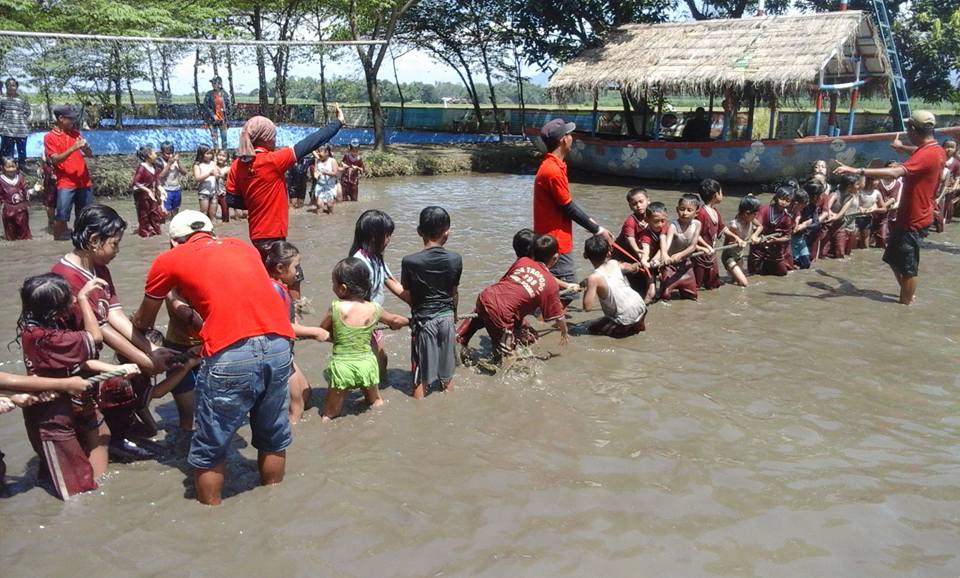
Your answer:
<point x="783" y="56"/>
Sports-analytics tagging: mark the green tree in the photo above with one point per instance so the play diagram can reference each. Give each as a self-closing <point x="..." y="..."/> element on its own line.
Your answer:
<point x="929" y="41"/>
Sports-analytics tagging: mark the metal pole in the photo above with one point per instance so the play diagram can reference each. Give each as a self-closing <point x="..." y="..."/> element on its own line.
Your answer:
<point x="773" y="116"/>
<point x="596" y="116"/>
<point x="816" y="117"/>
<point x="853" y="101"/>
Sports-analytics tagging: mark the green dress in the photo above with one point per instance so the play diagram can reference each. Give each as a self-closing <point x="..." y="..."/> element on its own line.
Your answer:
<point x="353" y="363"/>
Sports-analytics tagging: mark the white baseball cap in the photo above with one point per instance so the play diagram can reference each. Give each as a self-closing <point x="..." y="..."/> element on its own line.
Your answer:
<point x="188" y="222"/>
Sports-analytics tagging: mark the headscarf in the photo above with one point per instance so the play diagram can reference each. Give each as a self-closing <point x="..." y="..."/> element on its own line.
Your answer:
<point x="257" y="130"/>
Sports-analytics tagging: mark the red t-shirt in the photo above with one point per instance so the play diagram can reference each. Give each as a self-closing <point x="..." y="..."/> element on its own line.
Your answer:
<point x="218" y="106"/>
<point x="262" y="184"/>
<point x="551" y="192"/>
<point x="102" y="300"/>
<point x="923" y="171"/>
<point x="527" y="286"/>
<point x="651" y="238"/>
<point x="225" y="282"/>
<point x="72" y="173"/>
<point x="632" y="228"/>
<point x="709" y="230"/>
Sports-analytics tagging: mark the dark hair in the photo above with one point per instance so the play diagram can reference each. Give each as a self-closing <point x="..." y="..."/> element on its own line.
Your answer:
<point x="355" y="275"/>
<point x="523" y="242"/>
<point x="949" y="141"/>
<point x="791" y="182"/>
<point x="689" y="198"/>
<point x="924" y="131"/>
<point x="656" y="207"/>
<point x="708" y="189"/>
<point x="5" y="160"/>
<point x="279" y="254"/>
<point x="202" y="150"/>
<point x="544" y="248"/>
<point x="596" y="248"/>
<point x="96" y="220"/>
<point x="749" y="204"/>
<point x="814" y="188"/>
<point x="44" y="300"/>
<point x="434" y="222"/>
<point x="166" y="147"/>
<point x="847" y="181"/>
<point x="144" y="152"/>
<point x="13" y="80"/>
<point x="783" y="192"/>
<point x="800" y="196"/>
<point x="634" y="192"/>
<point x="371" y="232"/>
<point x="892" y="163"/>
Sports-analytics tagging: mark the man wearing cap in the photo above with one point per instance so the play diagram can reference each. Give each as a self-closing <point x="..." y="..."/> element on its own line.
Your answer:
<point x="921" y="178"/>
<point x="554" y="210"/>
<point x="216" y="110"/>
<point x="66" y="149"/>
<point x="246" y="347"/>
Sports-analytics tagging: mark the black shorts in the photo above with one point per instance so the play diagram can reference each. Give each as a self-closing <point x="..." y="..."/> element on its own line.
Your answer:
<point x="903" y="252"/>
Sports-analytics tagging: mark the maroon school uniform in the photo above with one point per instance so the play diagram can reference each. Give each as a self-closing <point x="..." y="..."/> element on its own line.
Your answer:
<point x="113" y="393"/>
<point x="350" y="180"/>
<point x="837" y="240"/>
<point x="501" y="307"/>
<point x="49" y="186"/>
<point x="706" y="270"/>
<point x="149" y="214"/>
<point x="633" y="227"/>
<point x="772" y="258"/>
<point x="50" y="426"/>
<point x="16" y="213"/>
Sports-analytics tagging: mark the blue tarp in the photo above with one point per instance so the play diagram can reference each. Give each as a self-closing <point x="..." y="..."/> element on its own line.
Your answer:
<point x="116" y="142"/>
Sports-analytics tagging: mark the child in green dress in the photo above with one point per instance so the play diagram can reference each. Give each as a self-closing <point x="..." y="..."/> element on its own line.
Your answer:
<point x="351" y="320"/>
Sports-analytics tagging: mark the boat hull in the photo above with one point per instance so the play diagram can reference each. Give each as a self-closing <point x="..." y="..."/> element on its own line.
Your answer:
<point x="734" y="162"/>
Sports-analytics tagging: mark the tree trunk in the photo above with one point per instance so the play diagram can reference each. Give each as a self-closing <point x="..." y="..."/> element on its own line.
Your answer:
<point x="628" y="115"/>
<point x="233" y="96"/>
<point x="373" y="95"/>
<point x="133" y="103"/>
<point x="523" y="104"/>
<point x="117" y="88"/>
<point x="484" y="60"/>
<point x="153" y="80"/>
<point x="213" y="60"/>
<point x="323" y="87"/>
<point x="196" y="80"/>
<point x="396" y="78"/>
<point x="263" y="101"/>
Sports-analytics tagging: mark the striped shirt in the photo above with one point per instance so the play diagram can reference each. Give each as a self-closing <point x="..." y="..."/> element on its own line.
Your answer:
<point x="14" y="112"/>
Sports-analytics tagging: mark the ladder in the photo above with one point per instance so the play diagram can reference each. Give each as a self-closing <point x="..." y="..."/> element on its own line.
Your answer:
<point x="898" y="94"/>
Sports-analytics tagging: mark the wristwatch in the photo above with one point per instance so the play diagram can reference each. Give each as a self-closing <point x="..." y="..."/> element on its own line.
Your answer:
<point x="861" y="171"/>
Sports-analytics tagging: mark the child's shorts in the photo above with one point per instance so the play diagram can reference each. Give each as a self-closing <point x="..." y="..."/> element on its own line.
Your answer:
<point x="173" y="199"/>
<point x="864" y="223"/>
<point x="432" y="350"/>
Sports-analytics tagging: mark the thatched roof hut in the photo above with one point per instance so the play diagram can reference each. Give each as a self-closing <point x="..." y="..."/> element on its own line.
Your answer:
<point x="781" y="55"/>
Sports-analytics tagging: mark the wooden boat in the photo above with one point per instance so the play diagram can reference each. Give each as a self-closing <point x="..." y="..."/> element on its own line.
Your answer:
<point x="751" y="63"/>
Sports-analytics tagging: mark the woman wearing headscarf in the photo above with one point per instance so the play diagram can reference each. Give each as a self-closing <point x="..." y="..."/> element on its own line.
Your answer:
<point x="258" y="174"/>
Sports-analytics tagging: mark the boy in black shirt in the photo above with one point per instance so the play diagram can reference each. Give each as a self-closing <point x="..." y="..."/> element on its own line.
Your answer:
<point x="430" y="282"/>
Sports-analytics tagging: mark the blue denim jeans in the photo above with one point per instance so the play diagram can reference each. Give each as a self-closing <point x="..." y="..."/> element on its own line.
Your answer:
<point x="249" y="378"/>
<point x="77" y="199"/>
<point x="8" y="143"/>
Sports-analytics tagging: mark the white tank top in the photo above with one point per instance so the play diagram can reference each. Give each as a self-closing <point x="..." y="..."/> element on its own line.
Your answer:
<point x="622" y="304"/>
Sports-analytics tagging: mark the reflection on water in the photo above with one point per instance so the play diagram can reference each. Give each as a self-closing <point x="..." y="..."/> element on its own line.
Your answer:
<point x="801" y="427"/>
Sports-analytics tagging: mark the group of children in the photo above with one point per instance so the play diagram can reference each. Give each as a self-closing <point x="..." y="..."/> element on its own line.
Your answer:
<point x="158" y="184"/>
<point x="325" y="179"/>
<point x="654" y="257"/>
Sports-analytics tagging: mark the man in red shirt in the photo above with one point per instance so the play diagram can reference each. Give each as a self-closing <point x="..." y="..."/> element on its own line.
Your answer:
<point x="921" y="178"/>
<point x="246" y="337"/>
<point x="65" y="149"/>
<point x="553" y="208"/>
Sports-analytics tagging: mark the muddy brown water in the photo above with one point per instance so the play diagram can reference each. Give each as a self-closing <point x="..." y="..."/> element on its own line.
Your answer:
<point x="805" y="426"/>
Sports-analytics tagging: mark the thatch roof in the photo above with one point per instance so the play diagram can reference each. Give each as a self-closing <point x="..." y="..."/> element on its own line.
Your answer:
<point x="776" y="54"/>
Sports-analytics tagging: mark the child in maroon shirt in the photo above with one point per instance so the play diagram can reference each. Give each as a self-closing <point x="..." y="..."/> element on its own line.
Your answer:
<point x="353" y="169"/>
<point x="50" y="350"/>
<point x="13" y="195"/>
<point x="774" y="257"/>
<point x="527" y="286"/>
<point x="706" y="269"/>
<point x="146" y="193"/>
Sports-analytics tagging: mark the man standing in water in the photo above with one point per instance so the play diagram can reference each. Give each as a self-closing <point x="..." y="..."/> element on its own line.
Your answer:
<point x="216" y="110"/>
<point x="66" y="149"/>
<point x="921" y="178"/>
<point x="554" y="210"/>
<point x="246" y="348"/>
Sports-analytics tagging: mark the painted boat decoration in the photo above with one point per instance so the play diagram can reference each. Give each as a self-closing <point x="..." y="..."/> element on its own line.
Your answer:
<point x="759" y="161"/>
